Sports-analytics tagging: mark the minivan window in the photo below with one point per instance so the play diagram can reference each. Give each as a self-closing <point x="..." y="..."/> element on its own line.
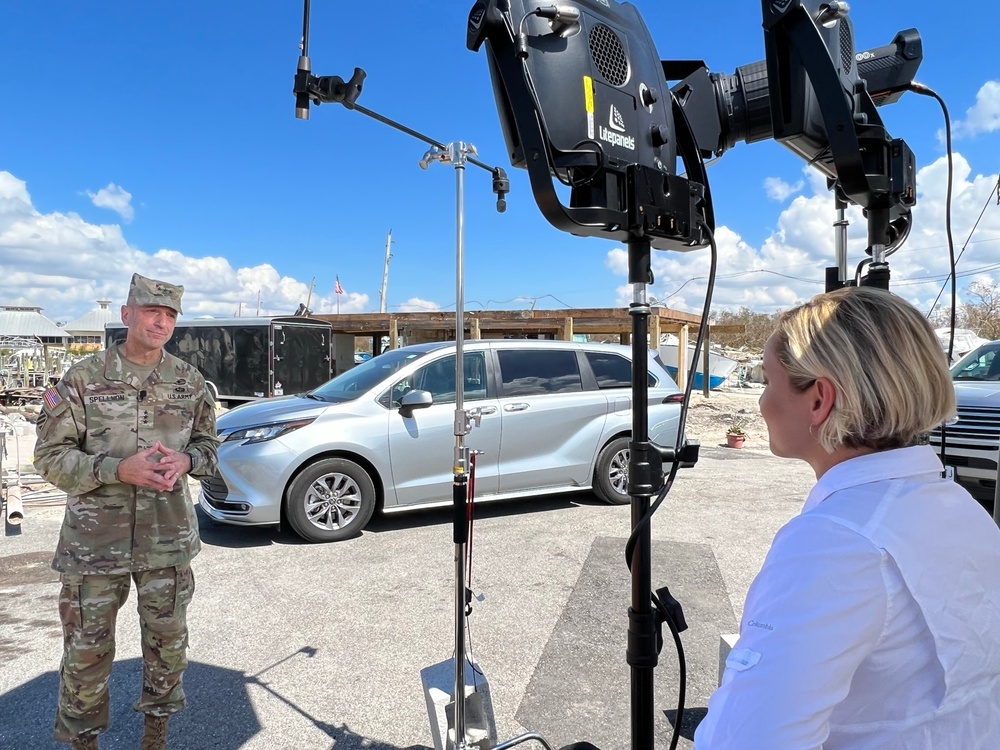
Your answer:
<point x="613" y="370"/>
<point x="536" y="371"/>
<point x="363" y="377"/>
<point x="981" y="364"/>
<point x="438" y="379"/>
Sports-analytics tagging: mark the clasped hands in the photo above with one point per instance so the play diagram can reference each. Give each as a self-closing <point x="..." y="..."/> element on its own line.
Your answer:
<point x="157" y="472"/>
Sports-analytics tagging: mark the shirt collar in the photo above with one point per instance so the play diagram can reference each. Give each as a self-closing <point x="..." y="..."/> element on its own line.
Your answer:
<point x="917" y="460"/>
<point x="115" y="368"/>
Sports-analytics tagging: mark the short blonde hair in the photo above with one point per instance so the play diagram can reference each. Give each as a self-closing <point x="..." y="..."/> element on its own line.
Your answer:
<point x="890" y="373"/>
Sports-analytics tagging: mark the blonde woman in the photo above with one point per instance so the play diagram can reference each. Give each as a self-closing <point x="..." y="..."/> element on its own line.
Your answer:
<point x="875" y="620"/>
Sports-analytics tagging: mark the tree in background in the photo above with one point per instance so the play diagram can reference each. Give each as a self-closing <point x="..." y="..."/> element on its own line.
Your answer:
<point x="758" y="327"/>
<point x="981" y="309"/>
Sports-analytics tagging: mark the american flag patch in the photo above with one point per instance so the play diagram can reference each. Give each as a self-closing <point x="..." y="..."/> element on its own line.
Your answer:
<point x="52" y="397"/>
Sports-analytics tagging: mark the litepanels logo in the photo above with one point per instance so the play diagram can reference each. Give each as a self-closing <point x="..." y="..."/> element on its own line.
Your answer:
<point x="476" y="16"/>
<point x="616" y="120"/>
<point x="615" y="136"/>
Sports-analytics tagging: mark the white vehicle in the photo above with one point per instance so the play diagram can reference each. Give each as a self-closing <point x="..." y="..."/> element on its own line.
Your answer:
<point x="553" y="417"/>
<point x="972" y="444"/>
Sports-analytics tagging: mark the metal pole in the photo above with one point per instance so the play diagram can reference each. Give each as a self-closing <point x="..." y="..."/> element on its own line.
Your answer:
<point x="385" y="273"/>
<point x="461" y="451"/>
<point x="840" y="236"/>
<point x="458" y="154"/>
<point x="706" y="384"/>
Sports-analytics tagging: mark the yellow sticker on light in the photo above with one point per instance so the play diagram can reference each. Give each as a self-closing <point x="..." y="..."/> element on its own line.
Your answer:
<point x="588" y="103"/>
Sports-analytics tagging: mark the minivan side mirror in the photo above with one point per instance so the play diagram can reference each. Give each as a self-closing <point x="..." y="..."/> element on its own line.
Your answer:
<point x="414" y="400"/>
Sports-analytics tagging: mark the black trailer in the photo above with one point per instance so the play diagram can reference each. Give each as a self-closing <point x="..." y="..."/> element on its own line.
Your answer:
<point x="249" y="358"/>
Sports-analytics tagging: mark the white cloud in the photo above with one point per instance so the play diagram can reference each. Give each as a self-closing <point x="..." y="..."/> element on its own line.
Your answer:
<point x="416" y="304"/>
<point x="65" y="264"/>
<point x="789" y="265"/>
<point x="779" y="190"/>
<point x="13" y="190"/>
<point x="984" y="115"/>
<point x="117" y="198"/>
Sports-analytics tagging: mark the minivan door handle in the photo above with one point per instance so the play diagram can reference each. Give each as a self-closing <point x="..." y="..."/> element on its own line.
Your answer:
<point x="515" y="407"/>
<point x="482" y="411"/>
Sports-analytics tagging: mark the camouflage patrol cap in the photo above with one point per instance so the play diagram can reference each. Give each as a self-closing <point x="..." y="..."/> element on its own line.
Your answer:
<point x="143" y="291"/>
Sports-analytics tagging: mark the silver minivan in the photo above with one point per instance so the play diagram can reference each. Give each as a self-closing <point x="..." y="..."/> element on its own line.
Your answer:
<point x="553" y="417"/>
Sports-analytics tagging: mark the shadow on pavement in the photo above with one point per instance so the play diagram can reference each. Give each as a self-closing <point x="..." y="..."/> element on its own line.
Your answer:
<point x="396" y="521"/>
<point x="220" y="534"/>
<point x="238" y="537"/>
<point x="219" y="714"/>
<point x="689" y="721"/>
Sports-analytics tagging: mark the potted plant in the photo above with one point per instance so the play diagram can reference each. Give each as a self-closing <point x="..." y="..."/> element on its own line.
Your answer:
<point x="736" y="433"/>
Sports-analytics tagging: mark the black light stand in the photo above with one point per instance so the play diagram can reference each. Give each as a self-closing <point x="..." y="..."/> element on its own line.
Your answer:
<point x="645" y="477"/>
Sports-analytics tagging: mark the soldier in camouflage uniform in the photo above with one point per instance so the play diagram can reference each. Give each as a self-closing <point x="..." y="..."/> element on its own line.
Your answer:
<point x="120" y="433"/>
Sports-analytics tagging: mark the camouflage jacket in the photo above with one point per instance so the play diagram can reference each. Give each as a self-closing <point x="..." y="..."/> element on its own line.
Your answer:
<point x="99" y="415"/>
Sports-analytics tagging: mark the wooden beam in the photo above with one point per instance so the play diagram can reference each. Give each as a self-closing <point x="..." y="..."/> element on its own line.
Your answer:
<point x="682" y="356"/>
<point x="593" y="321"/>
<point x="566" y="329"/>
<point x="734" y="328"/>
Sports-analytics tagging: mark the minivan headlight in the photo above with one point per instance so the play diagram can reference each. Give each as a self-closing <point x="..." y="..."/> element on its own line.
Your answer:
<point x="263" y="432"/>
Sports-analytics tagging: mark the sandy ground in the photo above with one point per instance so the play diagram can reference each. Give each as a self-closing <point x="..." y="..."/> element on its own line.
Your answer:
<point x="708" y="418"/>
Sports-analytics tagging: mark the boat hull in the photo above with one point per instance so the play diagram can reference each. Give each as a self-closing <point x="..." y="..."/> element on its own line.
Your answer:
<point x="719" y="367"/>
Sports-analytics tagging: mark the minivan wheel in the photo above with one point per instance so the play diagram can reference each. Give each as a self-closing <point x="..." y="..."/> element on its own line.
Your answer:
<point x="330" y="500"/>
<point x="611" y="474"/>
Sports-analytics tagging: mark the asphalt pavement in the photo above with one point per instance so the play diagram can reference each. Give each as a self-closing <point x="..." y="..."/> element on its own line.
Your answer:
<point x="297" y="646"/>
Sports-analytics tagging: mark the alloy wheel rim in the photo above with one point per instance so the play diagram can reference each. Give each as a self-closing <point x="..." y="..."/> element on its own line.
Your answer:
<point x="332" y="501"/>
<point x="618" y="472"/>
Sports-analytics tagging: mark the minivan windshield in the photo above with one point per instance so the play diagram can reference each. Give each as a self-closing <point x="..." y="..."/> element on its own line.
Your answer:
<point x="363" y="377"/>
<point x="979" y="364"/>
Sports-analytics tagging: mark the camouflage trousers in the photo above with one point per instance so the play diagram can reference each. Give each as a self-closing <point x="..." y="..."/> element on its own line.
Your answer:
<point x="88" y="608"/>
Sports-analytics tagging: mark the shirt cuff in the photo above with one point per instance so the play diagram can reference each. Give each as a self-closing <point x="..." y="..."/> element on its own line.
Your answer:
<point x="107" y="473"/>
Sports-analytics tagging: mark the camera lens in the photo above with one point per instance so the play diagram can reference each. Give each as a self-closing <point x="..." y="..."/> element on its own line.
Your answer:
<point x="744" y="104"/>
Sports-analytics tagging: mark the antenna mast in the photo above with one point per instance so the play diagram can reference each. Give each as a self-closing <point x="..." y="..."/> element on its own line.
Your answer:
<point x="385" y="273"/>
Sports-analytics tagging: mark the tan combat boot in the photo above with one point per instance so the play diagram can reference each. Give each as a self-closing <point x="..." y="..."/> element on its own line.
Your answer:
<point x="84" y="742"/>
<point x="155" y="737"/>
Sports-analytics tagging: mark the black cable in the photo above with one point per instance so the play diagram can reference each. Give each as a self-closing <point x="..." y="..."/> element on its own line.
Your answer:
<point x="860" y="270"/>
<point x="919" y="88"/>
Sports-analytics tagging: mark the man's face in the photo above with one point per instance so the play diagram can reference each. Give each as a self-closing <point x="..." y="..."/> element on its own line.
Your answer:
<point x="149" y="326"/>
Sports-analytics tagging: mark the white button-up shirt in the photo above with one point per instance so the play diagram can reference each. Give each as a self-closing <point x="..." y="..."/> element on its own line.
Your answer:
<point x="874" y="623"/>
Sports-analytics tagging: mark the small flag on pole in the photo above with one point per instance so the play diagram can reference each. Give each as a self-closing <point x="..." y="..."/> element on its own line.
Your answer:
<point x="337" y="288"/>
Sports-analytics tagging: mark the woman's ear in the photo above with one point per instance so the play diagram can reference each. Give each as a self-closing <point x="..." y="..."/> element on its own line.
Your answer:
<point x="823" y="401"/>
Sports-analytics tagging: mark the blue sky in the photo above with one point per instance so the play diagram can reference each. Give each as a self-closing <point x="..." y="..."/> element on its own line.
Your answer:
<point x="161" y="138"/>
